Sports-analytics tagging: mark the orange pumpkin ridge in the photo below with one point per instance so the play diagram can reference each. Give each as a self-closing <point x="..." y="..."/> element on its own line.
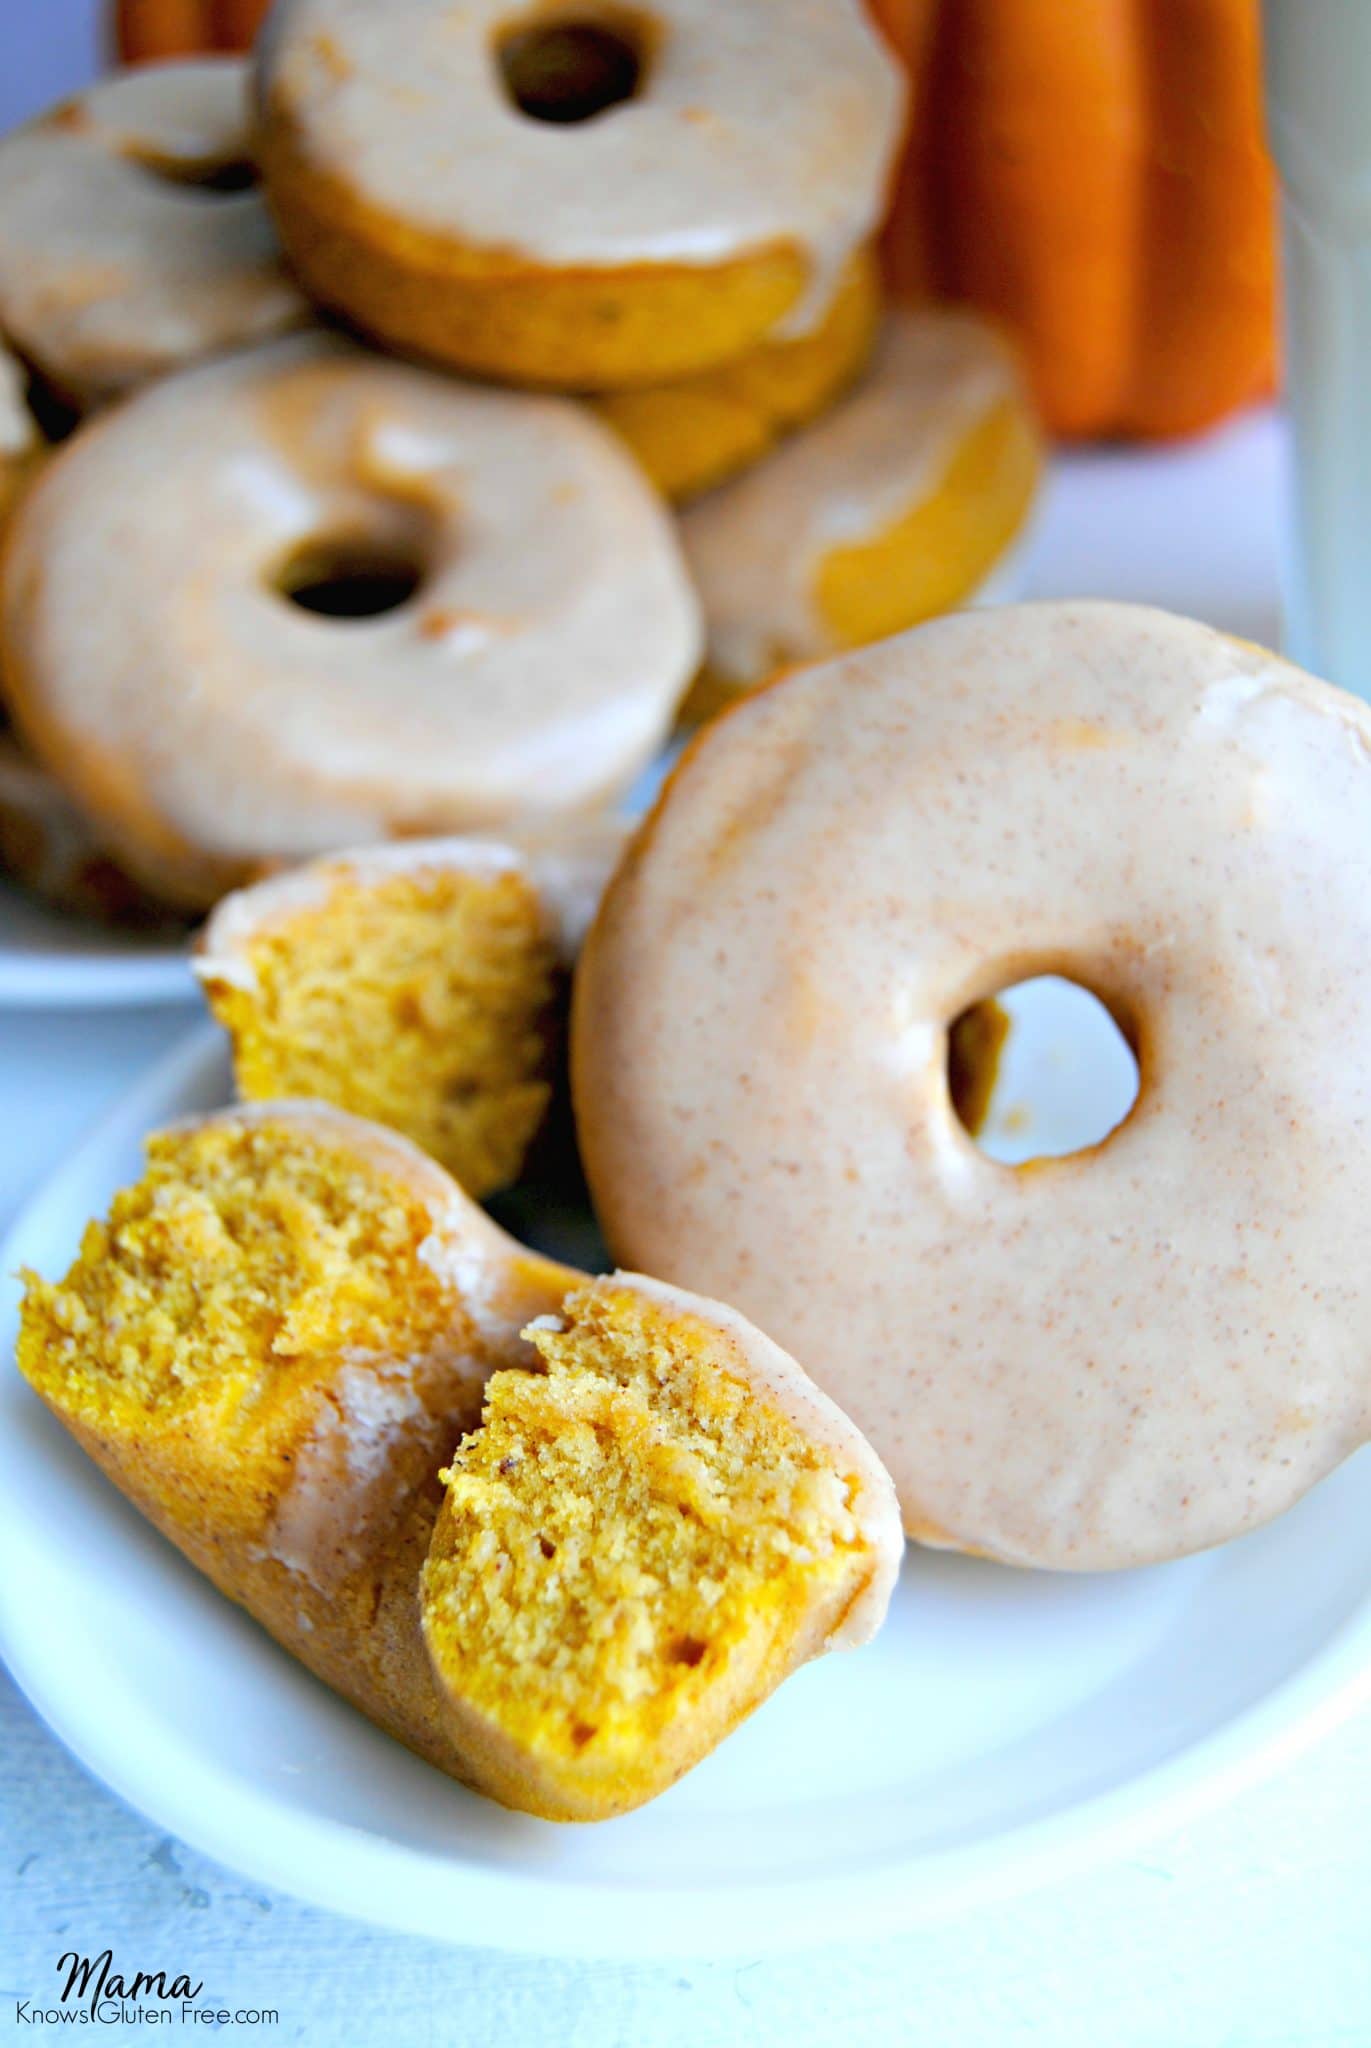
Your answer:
<point x="145" y="30"/>
<point x="1095" y="176"/>
<point x="1205" y="338"/>
<point x="149" y="29"/>
<point x="236" y="22"/>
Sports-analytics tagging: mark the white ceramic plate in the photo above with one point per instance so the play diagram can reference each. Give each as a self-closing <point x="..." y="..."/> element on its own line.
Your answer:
<point x="1006" y="1727"/>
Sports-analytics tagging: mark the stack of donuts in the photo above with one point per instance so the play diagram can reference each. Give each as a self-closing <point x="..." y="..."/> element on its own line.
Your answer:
<point x="381" y="362"/>
<point x="349" y="610"/>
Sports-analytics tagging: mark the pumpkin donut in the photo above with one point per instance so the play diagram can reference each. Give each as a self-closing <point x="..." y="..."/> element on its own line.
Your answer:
<point x="273" y="1347"/>
<point x="900" y="504"/>
<point x="697" y="432"/>
<point x="131" y="238"/>
<point x="1101" y="1360"/>
<point x="586" y="197"/>
<point x="420" y="984"/>
<point x="532" y="623"/>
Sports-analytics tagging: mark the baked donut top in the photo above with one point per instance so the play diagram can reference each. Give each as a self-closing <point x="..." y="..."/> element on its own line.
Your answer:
<point x="756" y="545"/>
<point x="758" y="123"/>
<point x="1101" y="1360"/>
<point x="213" y="724"/>
<point x="119" y="257"/>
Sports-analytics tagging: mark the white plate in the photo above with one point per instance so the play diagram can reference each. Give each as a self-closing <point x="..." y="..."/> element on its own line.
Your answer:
<point x="1006" y="1727"/>
<point x="49" y="959"/>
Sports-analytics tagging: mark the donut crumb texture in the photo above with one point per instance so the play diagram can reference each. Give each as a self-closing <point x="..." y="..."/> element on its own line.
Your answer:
<point x="222" y="1288"/>
<point x="426" y="1001"/>
<point x="635" y="1547"/>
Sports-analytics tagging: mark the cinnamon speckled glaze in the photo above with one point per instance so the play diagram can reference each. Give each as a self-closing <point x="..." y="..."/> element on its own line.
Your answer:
<point x="212" y="729"/>
<point x="1100" y="1361"/>
<point x="757" y="126"/>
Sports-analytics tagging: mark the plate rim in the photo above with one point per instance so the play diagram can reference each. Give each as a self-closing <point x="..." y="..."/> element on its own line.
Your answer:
<point x="365" y="1876"/>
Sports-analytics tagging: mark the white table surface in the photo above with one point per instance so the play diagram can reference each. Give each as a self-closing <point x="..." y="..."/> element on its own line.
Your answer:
<point x="1252" y="1929"/>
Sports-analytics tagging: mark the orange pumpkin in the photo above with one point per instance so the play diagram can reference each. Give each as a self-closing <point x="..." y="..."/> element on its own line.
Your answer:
<point x="146" y="29"/>
<point x="1093" y="173"/>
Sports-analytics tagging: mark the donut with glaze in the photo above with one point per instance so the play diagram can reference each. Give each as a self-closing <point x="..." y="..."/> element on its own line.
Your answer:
<point x="1102" y="1360"/>
<point x="277" y="1339"/>
<point x="211" y="727"/>
<point x="903" y="502"/>
<point x="132" y="237"/>
<point x="434" y="180"/>
<point x="694" y="433"/>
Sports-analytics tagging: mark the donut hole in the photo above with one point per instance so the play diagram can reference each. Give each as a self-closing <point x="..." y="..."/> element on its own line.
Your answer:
<point x="220" y="177"/>
<point x="571" y="67"/>
<point x="347" y="578"/>
<point x="1041" y="1069"/>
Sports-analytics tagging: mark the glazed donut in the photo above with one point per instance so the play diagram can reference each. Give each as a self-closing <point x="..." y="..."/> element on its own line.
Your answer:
<point x="130" y="240"/>
<point x="434" y="179"/>
<point x="897" y="506"/>
<point x="281" y="1332"/>
<point x="694" y="433"/>
<point x="1102" y="1360"/>
<point x="210" y="726"/>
